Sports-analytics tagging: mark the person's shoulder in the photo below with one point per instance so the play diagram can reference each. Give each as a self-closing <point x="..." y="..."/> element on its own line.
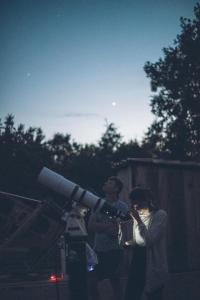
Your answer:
<point x="122" y="205"/>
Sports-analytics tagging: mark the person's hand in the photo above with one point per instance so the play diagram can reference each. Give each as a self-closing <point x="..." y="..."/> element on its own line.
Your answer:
<point x="135" y="215"/>
<point x="128" y="244"/>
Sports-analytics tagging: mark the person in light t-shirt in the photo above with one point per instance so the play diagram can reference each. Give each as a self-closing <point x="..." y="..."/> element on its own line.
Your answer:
<point x="108" y="235"/>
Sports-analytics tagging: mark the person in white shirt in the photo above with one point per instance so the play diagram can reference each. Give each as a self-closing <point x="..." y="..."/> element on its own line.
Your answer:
<point x="148" y="270"/>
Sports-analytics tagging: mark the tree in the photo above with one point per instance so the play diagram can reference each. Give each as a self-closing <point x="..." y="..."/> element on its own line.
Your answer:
<point x="110" y="140"/>
<point x="175" y="81"/>
<point x="22" y="154"/>
<point x="89" y="165"/>
<point x="92" y="164"/>
<point x="60" y="147"/>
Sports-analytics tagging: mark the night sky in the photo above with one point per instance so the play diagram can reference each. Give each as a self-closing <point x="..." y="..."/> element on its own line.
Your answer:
<point x="70" y="66"/>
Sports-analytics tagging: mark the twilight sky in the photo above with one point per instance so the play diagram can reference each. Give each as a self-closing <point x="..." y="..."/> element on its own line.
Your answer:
<point x="69" y="65"/>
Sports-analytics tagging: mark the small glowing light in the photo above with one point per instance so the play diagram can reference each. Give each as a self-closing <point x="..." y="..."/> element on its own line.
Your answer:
<point x="114" y="103"/>
<point x="90" y="268"/>
<point x="53" y="277"/>
<point x="28" y="74"/>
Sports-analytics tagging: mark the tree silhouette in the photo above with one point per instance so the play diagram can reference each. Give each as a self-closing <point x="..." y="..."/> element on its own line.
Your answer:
<point x="131" y="149"/>
<point x="60" y="147"/>
<point x="175" y="80"/>
<point x="22" y="154"/>
<point x="90" y="164"/>
<point x="110" y="140"/>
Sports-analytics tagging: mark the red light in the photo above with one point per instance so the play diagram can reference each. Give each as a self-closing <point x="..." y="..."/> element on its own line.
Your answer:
<point x="53" y="277"/>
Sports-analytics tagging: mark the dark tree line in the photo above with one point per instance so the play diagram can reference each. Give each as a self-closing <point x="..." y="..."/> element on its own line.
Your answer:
<point x="24" y="152"/>
<point x="174" y="134"/>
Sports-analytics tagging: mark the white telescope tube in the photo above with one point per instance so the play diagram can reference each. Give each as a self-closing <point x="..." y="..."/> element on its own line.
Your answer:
<point x="69" y="189"/>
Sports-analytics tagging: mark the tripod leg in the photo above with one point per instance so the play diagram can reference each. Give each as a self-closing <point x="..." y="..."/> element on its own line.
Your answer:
<point x="77" y="270"/>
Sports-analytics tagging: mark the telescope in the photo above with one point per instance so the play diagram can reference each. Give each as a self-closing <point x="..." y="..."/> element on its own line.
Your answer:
<point x="80" y="196"/>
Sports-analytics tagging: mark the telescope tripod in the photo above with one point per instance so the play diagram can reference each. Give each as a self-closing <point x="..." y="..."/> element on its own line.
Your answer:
<point x="76" y="262"/>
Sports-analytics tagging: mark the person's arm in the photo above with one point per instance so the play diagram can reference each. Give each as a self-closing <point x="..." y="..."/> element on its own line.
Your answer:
<point x="156" y="229"/>
<point x="95" y="226"/>
<point x="127" y="232"/>
<point x="102" y="227"/>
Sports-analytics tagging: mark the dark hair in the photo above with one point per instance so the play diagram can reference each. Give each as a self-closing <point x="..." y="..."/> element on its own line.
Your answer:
<point x="139" y="194"/>
<point x="118" y="183"/>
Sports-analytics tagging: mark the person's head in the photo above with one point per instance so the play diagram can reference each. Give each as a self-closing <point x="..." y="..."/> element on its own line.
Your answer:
<point x="142" y="198"/>
<point x="112" y="185"/>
